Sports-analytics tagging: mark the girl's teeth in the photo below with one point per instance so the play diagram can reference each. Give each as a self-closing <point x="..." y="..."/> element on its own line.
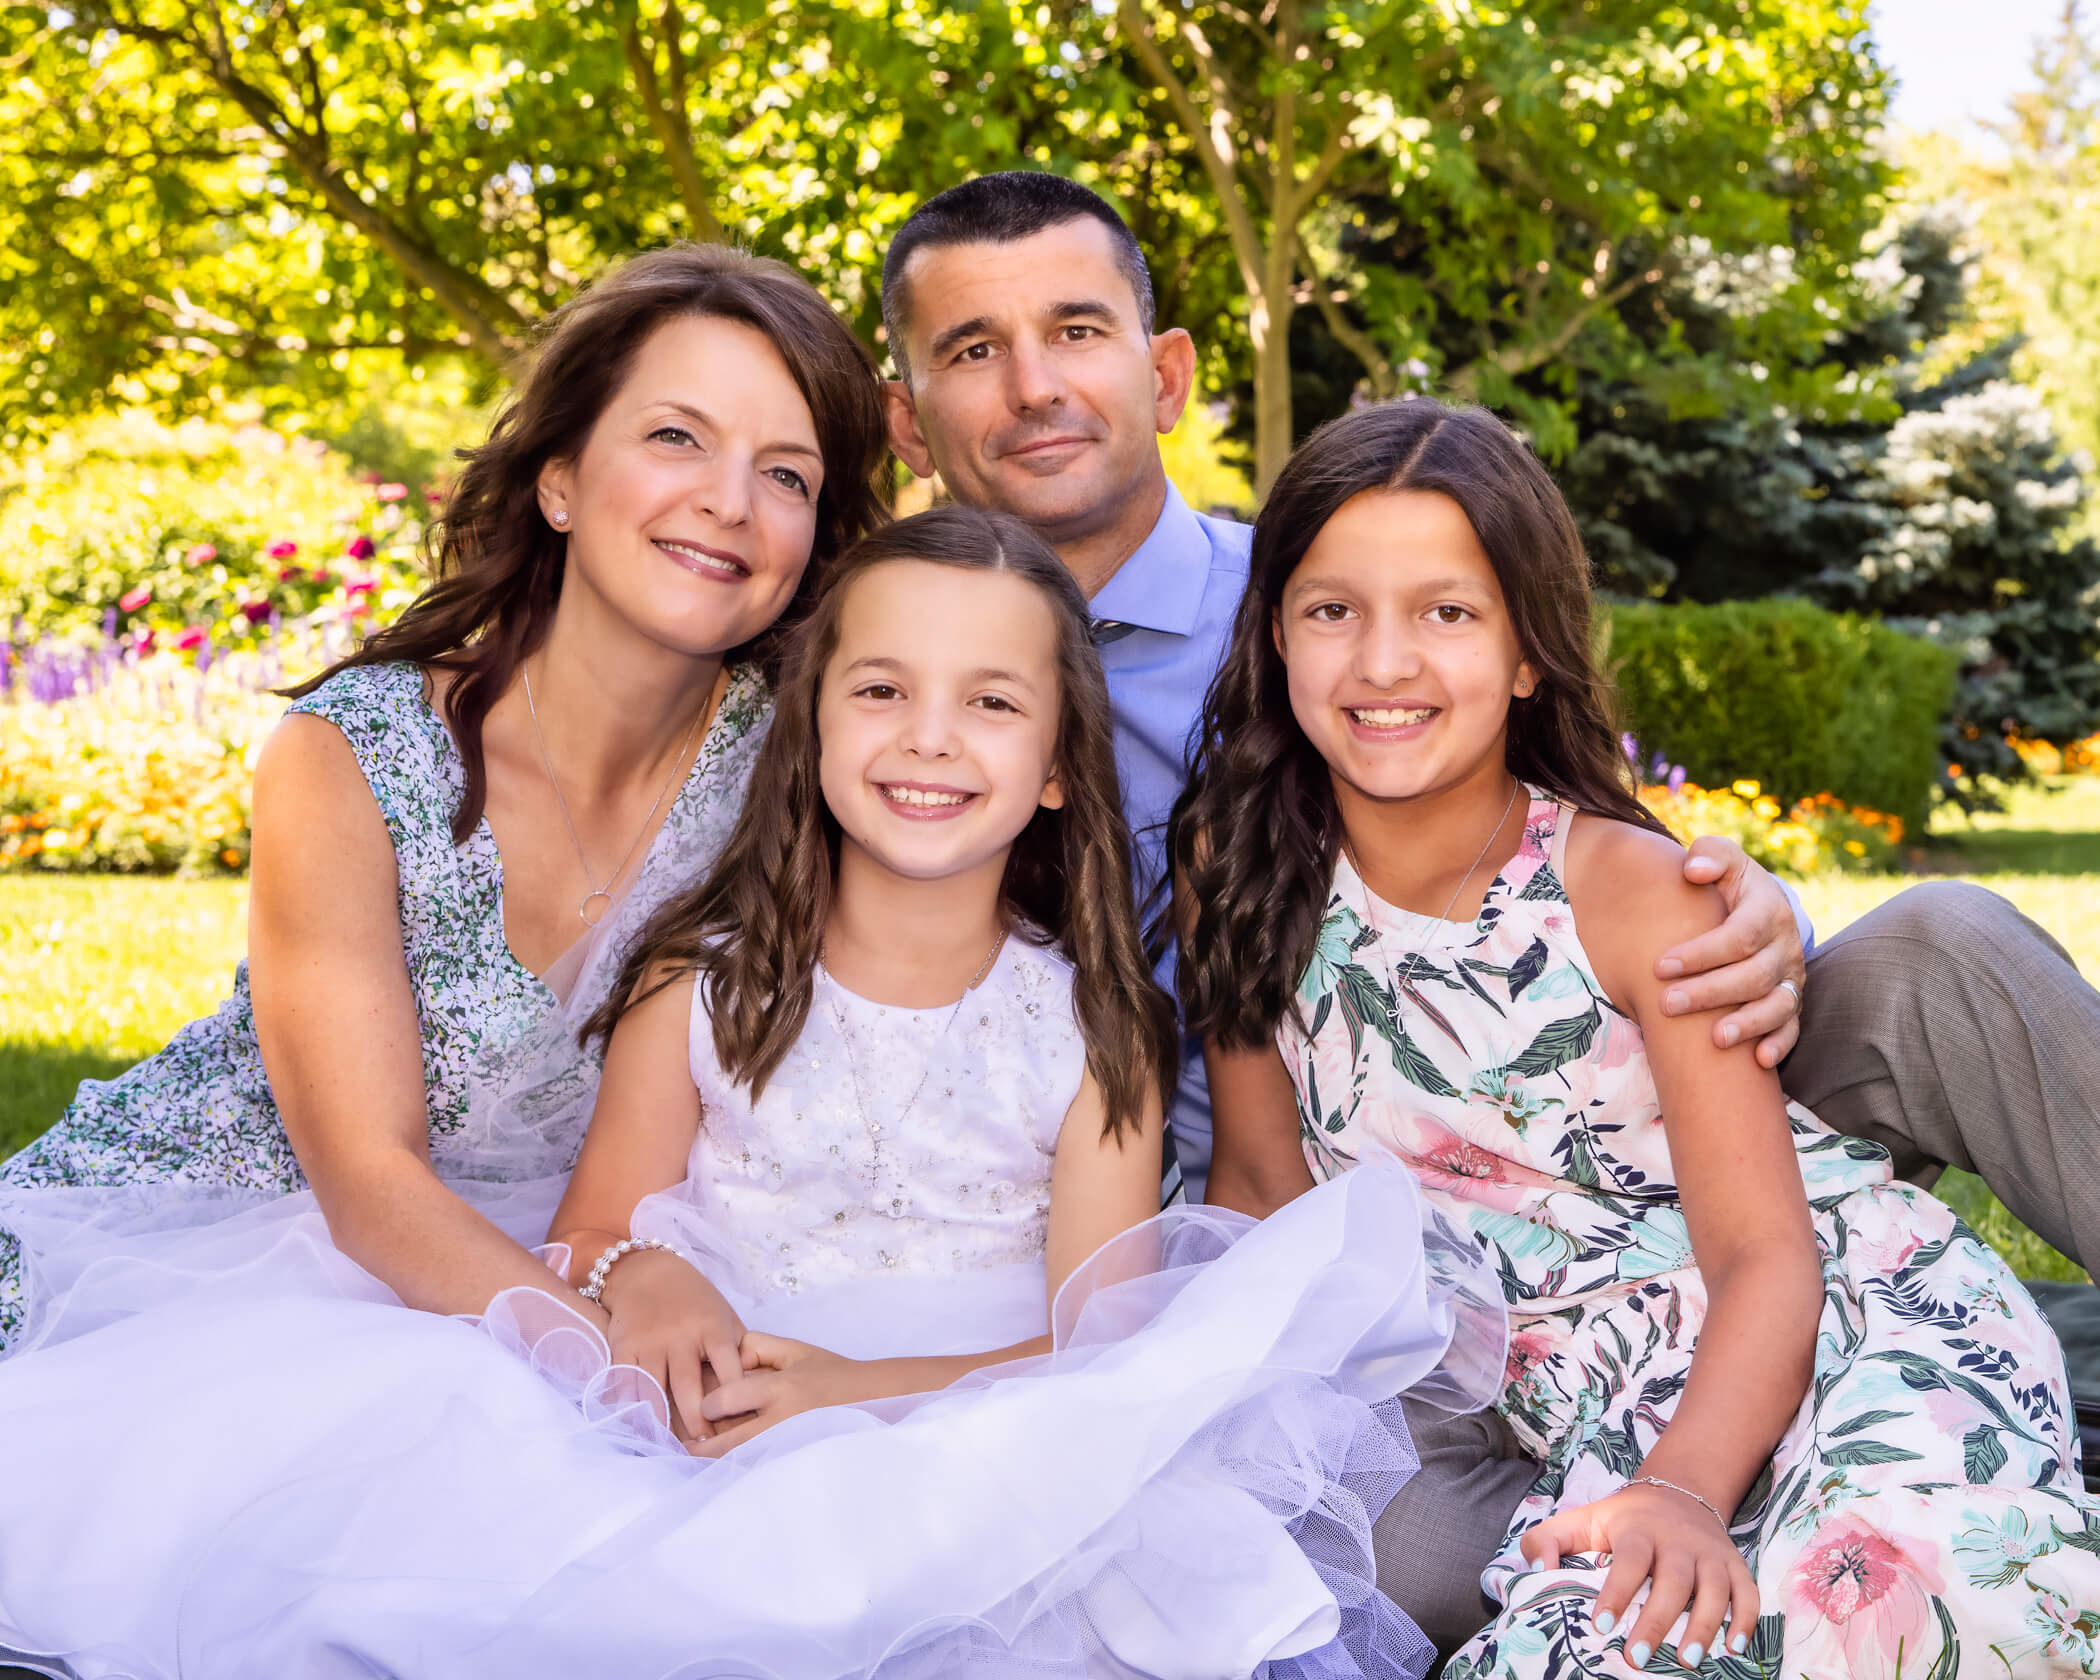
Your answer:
<point x="1385" y="717"/>
<point x="921" y="796"/>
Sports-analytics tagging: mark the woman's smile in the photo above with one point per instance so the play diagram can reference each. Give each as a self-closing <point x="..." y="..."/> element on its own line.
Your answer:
<point x="701" y="560"/>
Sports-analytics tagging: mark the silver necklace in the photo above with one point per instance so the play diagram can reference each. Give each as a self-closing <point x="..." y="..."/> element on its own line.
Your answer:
<point x="583" y="908"/>
<point x="860" y="1095"/>
<point x="1427" y="922"/>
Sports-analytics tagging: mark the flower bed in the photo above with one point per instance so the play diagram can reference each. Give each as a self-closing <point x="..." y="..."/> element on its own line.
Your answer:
<point x="125" y="759"/>
<point x="1815" y="836"/>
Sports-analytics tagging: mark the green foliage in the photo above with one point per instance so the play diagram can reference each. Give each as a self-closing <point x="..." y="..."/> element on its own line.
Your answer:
<point x="200" y="202"/>
<point x="1800" y="700"/>
<point x="190" y="515"/>
<point x="1668" y="195"/>
<point x="1955" y="513"/>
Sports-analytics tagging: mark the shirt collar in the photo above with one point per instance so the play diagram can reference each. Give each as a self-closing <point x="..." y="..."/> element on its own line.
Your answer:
<point x="1160" y="587"/>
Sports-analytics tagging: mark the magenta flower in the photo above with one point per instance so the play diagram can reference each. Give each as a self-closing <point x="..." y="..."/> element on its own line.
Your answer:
<point x="200" y="554"/>
<point x="290" y="574"/>
<point x="133" y="599"/>
<point x="143" y="641"/>
<point x="191" y="638"/>
<point x="255" y="611"/>
<point x="354" y="587"/>
<point x="392" y="492"/>
<point x="361" y="549"/>
<point x="282" y="550"/>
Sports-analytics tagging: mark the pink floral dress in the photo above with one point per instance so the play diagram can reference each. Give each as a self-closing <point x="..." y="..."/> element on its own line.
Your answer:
<point x="1923" y="1515"/>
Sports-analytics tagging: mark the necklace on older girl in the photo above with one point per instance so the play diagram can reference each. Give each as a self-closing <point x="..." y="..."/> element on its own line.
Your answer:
<point x="1426" y="923"/>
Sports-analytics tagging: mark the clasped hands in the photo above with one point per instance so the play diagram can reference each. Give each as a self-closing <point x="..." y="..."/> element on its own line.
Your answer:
<point x="725" y="1383"/>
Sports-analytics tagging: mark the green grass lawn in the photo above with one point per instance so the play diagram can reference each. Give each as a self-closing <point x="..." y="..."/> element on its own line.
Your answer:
<point x="96" y="971"/>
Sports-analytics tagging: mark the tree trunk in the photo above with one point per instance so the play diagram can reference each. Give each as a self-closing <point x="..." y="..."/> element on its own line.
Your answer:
<point x="1269" y="310"/>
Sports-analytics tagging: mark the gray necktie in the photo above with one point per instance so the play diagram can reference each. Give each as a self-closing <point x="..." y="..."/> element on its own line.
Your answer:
<point x="1108" y="630"/>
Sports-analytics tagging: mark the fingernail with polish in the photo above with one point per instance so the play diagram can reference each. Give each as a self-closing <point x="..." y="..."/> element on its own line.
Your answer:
<point x="1606" y="1621"/>
<point x="1692" y="1655"/>
<point x="1739" y="1644"/>
<point x="1637" y="1655"/>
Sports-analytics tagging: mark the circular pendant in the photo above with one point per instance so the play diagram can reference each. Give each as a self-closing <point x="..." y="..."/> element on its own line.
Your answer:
<point x="584" y="909"/>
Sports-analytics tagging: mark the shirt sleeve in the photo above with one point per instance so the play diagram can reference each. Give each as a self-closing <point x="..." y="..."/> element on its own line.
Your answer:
<point x="1801" y="921"/>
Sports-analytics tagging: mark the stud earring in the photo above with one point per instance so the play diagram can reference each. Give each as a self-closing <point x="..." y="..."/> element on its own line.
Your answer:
<point x="561" y="519"/>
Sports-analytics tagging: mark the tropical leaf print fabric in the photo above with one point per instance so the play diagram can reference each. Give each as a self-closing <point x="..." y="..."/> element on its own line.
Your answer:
<point x="1923" y="1517"/>
<point x="199" y="1111"/>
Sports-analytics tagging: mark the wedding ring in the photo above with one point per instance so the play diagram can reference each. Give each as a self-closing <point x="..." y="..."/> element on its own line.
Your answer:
<point x="1788" y="985"/>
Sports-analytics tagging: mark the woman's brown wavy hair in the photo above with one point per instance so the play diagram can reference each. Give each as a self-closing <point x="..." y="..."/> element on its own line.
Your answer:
<point x="498" y="564"/>
<point x="753" y="930"/>
<point x="1256" y="833"/>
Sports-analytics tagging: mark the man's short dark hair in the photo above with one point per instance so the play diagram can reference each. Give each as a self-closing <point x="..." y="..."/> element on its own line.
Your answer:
<point x="999" y="209"/>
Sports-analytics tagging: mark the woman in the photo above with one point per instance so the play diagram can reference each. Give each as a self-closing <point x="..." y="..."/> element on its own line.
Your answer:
<point x="456" y="828"/>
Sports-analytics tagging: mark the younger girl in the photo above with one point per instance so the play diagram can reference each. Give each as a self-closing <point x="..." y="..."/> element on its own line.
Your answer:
<point x="1426" y="916"/>
<point x="874" y="1094"/>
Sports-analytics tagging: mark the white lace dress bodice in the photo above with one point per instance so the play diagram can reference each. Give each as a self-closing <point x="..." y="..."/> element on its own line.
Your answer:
<point x="891" y="1139"/>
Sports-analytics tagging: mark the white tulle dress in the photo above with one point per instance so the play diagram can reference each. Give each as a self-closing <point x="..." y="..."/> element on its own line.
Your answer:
<point x="244" y="1458"/>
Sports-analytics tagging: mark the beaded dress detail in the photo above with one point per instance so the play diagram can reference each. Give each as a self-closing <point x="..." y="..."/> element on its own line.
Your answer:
<point x="836" y="1171"/>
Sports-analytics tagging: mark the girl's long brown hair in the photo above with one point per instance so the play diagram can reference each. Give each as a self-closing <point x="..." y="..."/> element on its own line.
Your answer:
<point x="498" y="564"/>
<point x="1257" y="831"/>
<point x="753" y="930"/>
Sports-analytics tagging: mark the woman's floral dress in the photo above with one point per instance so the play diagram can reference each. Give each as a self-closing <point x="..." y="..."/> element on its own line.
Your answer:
<point x="199" y="1111"/>
<point x="1923" y="1515"/>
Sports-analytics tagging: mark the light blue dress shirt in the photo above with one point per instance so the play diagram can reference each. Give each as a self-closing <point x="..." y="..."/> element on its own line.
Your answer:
<point x="1178" y="593"/>
<point x="1173" y="603"/>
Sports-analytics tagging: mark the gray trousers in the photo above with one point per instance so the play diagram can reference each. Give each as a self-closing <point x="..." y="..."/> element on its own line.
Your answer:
<point x="1944" y="1025"/>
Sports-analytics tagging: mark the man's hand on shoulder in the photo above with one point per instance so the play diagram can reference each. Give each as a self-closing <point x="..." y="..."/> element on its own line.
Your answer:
<point x="1752" y="964"/>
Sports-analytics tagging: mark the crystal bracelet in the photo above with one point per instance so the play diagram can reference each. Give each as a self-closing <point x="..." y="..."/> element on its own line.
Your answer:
<point x="1657" y="1481"/>
<point x="594" y="1285"/>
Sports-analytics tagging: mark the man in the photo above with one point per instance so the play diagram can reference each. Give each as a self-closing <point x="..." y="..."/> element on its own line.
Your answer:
<point x="1019" y="312"/>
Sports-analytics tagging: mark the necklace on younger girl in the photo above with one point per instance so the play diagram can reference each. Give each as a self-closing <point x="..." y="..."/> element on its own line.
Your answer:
<point x="860" y="1095"/>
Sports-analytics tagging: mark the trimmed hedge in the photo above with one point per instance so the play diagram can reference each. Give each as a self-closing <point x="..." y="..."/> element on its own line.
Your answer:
<point x="1783" y="693"/>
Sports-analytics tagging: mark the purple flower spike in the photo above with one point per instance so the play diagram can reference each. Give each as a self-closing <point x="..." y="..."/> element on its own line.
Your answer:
<point x="1631" y="748"/>
<point x="1676" y="782"/>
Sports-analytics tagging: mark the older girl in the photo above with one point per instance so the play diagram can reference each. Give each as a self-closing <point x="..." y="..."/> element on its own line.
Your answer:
<point x="1427" y="913"/>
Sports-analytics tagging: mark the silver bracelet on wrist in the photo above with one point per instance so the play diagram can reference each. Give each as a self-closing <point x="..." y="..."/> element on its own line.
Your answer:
<point x="594" y="1285"/>
<point x="1657" y="1481"/>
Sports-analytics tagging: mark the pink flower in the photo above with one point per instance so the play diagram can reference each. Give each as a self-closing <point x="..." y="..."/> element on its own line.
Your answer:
<point x="359" y="586"/>
<point x="143" y="641"/>
<point x="133" y="599"/>
<point x="191" y="638"/>
<point x="361" y="549"/>
<point x="1445" y="1160"/>
<point x="1871" y="1595"/>
<point x="290" y="574"/>
<point x="392" y="492"/>
<point x="256" y="611"/>
<point x="282" y="550"/>
<point x="200" y="554"/>
<point x="1526" y="1349"/>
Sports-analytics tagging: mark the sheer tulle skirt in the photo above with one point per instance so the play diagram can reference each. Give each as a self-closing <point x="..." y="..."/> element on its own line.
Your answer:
<point x="275" y="1471"/>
